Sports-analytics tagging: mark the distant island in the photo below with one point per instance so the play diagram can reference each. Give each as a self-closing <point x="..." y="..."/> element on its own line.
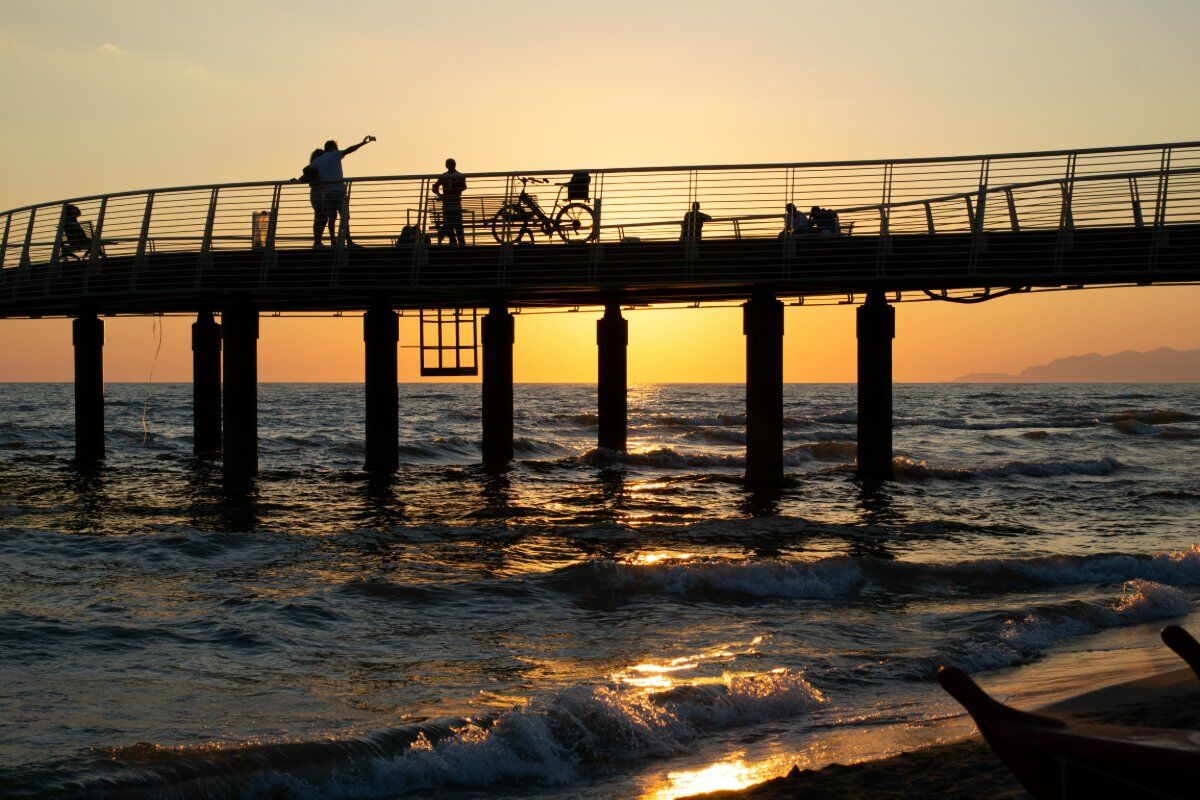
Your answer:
<point x="1164" y="365"/>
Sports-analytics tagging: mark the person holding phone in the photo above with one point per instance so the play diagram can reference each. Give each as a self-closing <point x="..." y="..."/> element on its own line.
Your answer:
<point x="333" y="186"/>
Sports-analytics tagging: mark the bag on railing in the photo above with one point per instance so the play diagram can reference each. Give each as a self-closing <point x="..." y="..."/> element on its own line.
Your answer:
<point x="579" y="187"/>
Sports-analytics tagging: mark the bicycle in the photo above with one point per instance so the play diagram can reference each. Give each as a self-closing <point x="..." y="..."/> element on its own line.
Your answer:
<point x="573" y="222"/>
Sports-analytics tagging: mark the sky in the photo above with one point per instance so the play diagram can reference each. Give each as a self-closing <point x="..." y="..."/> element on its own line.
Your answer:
<point x="127" y="95"/>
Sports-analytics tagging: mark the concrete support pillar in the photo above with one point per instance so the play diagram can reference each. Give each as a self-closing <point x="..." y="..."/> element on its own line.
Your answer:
<point x="876" y="329"/>
<point x="239" y="329"/>
<point x="762" y="323"/>
<point x="206" y="385"/>
<point x="612" y="340"/>
<point x="498" y="336"/>
<point x="87" y="334"/>
<point x="381" y="333"/>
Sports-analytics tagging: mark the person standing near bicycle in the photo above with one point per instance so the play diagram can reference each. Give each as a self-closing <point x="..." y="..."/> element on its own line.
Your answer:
<point x="333" y="186"/>
<point x="449" y="189"/>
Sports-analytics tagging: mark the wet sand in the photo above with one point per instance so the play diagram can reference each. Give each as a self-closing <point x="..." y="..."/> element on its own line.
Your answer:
<point x="967" y="768"/>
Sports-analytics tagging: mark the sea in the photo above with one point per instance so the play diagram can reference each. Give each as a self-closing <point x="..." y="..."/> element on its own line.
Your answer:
<point x="586" y="624"/>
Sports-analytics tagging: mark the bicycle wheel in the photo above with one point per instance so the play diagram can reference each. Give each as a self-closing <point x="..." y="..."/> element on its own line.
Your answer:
<point x="575" y="222"/>
<point x="510" y="224"/>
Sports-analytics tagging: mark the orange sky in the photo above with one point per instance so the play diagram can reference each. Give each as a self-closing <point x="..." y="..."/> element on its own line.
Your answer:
<point x="171" y="94"/>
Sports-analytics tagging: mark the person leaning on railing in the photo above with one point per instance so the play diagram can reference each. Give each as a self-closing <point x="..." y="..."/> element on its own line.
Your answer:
<point x="692" y="226"/>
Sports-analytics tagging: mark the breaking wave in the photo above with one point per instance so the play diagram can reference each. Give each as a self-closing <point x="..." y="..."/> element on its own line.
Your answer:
<point x="1025" y="638"/>
<point x="908" y="468"/>
<point x="716" y="579"/>
<point x="551" y="740"/>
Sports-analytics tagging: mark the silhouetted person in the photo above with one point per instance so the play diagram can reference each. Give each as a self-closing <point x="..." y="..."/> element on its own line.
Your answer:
<point x="75" y="238"/>
<point x="795" y="221"/>
<point x="449" y="189"/>
<point x="693" y="224"/>
<point x="333" y="188"/>
<point x="312" y="177"/>
<point x="825" y="221"/>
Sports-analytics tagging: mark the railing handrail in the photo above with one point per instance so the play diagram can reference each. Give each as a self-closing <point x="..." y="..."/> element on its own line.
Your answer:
<point x="629" y="170"/>
<point x="992" y="189"/>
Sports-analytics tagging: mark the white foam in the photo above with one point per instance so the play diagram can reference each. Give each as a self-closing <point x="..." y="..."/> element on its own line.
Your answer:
<point x="553" y="738"/>
<point x="1019" y="641"/>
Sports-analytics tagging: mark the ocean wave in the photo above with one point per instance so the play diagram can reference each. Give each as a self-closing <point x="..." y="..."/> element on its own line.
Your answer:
<point x="702" y="421"/>
<point x="551" y="740"/>
<point x="663" y="457"/>
<point x="832" y="450"/>
<point x="1152" y="416"/>
<point x="711" y="579"/>
<point x="583" y="420"/>
<point x="1026" y="638"/>
<point x="441" y="448"/>
<point x="527" y="447"/>
<point x="670" y="458"/>
<point x="734" y="580"/>
<point x="555" y="738"/>
<point x="716" y="436"/>
<point x="909" y="468"/>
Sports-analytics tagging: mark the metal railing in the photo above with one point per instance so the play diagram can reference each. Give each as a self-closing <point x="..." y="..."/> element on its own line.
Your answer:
<point x="187" y="228"/>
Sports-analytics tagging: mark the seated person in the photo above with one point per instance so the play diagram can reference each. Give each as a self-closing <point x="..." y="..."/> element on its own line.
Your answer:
<point x="795" y="221"/>
<point x="75" y="239"/>
<point x="825" y="220"/>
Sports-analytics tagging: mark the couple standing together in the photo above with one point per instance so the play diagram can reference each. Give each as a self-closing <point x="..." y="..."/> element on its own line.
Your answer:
<point x="327" y="193"/>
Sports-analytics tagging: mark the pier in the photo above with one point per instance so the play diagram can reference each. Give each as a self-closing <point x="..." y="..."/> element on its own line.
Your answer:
<point x="955" y="229"/>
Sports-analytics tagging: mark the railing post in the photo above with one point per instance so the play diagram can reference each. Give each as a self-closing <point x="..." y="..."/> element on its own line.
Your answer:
<point x="929" y="218"/>
<point x="979" y="220"/>
<point x="139" y="261"/>
<point x="1066" y="221"/>
<point x="420" y="255"/>
<point x="1135" y="198"/>
<point x="341" y="257"/>
<point x="97" y="246"/>
<point x="56" y="250"/>
<point x="4" y="246"/>
<point x="270" y="258"/>
<point x="1159" y="239"/>
<point x="1013" y="221"/>
<point x="205" y="261"/>
<point x="691" y="247"/>
<point x="26" y="262"/>
<point x="52" y="269"/>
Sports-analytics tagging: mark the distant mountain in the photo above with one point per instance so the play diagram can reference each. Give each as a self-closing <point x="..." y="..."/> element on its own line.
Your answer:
<point x="1163" y="365"/>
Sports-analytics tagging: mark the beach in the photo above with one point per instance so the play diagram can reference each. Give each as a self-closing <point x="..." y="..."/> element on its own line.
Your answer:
<point x="968" y="768"/>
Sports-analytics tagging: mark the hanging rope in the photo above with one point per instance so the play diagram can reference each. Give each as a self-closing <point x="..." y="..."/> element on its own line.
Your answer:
<point x="988" y="294"/>
<point x="156" y="330"/>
